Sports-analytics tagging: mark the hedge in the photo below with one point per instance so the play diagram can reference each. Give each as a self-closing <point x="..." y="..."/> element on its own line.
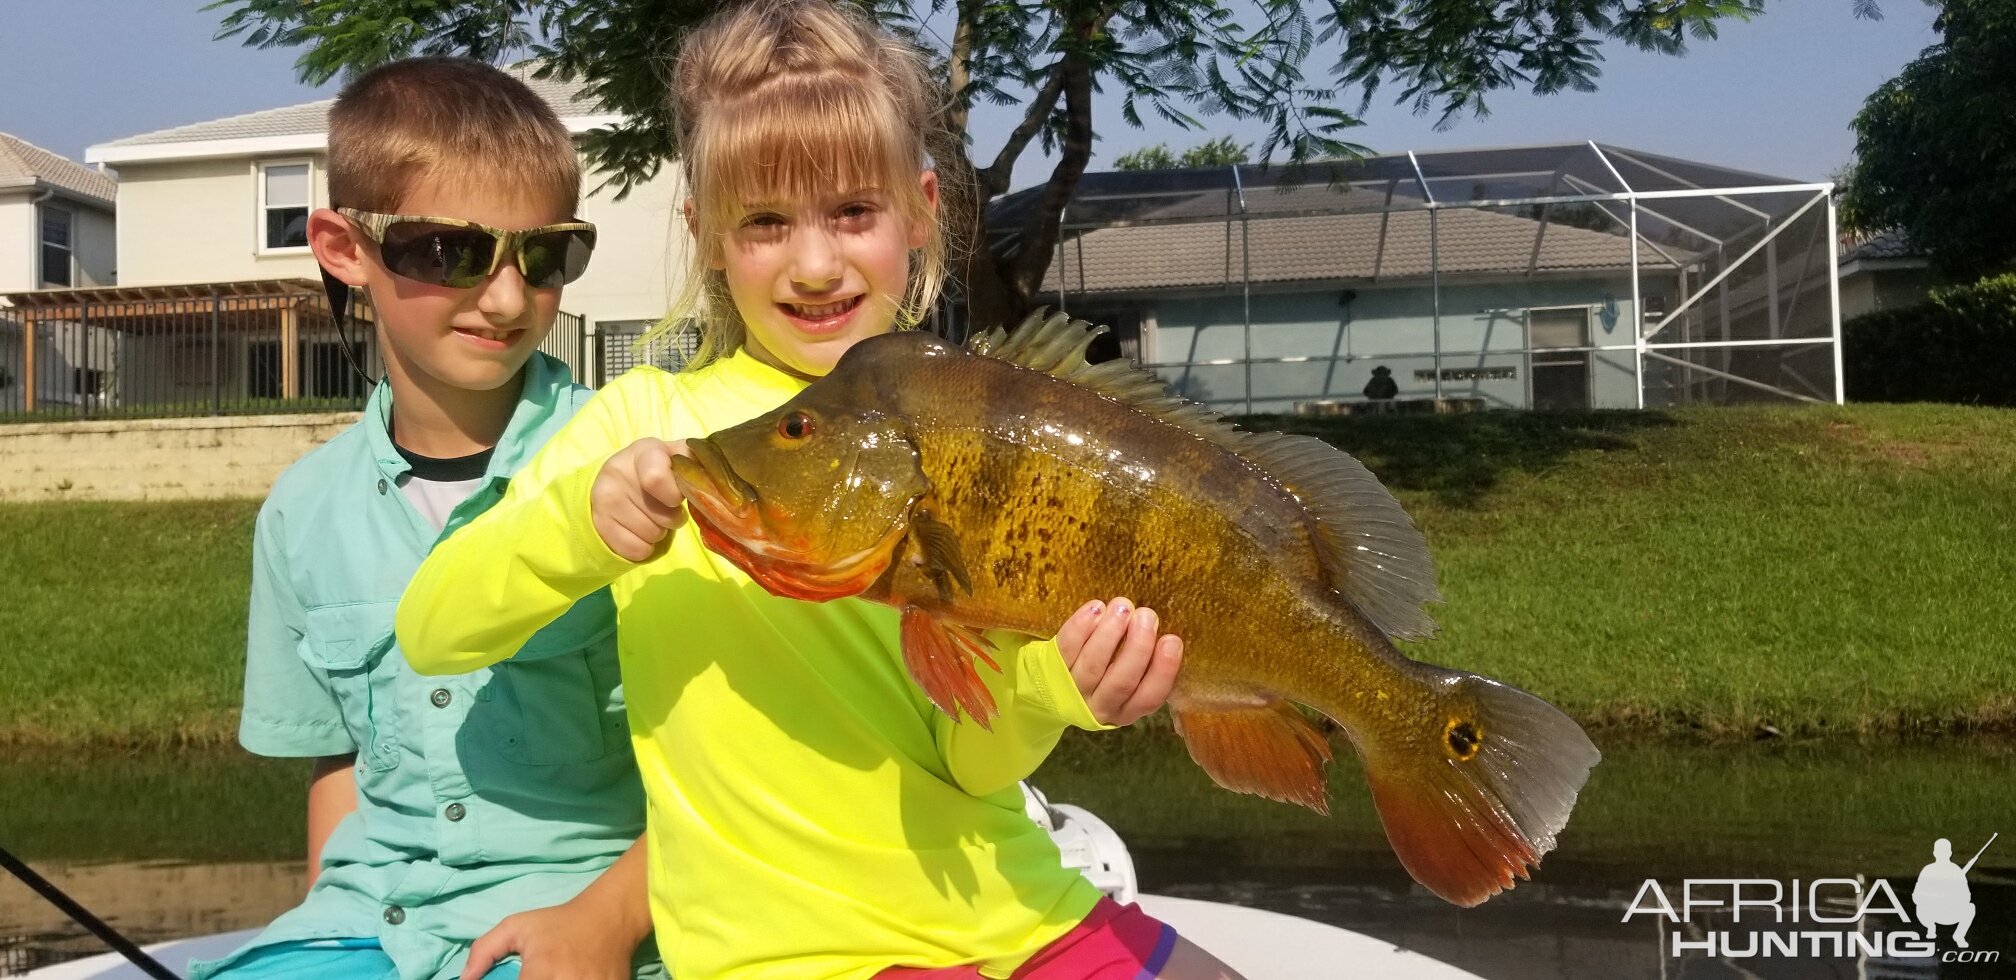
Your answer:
<point x="1959" y="347"/>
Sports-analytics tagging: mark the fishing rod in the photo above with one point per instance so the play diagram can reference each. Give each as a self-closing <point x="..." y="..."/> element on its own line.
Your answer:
<point x="1977" y="854"/>
<point x="83" y="917"/>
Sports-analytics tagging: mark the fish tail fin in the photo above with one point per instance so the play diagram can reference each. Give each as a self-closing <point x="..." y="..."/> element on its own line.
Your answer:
<point x="1474" y="795"/>
<point x="940" y="658"/>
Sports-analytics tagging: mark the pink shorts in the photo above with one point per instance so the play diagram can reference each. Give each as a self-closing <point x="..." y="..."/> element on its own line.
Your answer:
<point x="1114" y="942"/>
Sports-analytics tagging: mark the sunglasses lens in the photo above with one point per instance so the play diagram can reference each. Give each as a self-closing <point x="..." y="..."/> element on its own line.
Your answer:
<point x="556" y="258"/>
<point x="440" y="255"/>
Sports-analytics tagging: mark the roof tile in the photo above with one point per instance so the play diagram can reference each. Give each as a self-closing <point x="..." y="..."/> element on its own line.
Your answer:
<point x="22" y="162"/>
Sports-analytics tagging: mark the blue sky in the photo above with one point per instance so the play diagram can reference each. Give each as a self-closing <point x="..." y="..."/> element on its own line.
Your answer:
<point x="1773" y="96"/>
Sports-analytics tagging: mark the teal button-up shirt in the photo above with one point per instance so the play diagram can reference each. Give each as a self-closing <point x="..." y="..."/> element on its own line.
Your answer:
<point x="479" y="795"/>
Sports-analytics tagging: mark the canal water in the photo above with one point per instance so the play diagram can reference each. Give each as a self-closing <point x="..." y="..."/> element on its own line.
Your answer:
<point x="171" y="845"/>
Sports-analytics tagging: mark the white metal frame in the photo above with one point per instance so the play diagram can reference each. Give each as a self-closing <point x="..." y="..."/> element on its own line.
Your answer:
<point x="1642" y="346"/>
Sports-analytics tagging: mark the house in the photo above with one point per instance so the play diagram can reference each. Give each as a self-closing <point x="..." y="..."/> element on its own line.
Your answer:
<point x="227" y="201"/>
<point x="56" y="220"/>
<point x="1501" y="277"/>
<point x="1883" y="272"/>
<point x="56" y="230"/>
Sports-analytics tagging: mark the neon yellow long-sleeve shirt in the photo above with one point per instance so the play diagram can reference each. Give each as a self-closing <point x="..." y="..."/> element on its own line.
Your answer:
<point x="811" y="813"/>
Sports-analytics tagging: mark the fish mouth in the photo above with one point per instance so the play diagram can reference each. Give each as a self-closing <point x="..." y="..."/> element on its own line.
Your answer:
<point x="725" y="509"/>
<point x="706" y="476"/>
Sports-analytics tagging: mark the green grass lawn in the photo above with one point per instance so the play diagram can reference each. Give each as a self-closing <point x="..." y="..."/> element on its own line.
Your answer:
<point x="1810" y="569"/>
<point x="1817" y="570"/>
<point x="124" y="622"/>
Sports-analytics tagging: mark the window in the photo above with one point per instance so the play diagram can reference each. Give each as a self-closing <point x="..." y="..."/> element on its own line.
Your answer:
<point x="283" y="206"/>
<point x="56" y="247"/>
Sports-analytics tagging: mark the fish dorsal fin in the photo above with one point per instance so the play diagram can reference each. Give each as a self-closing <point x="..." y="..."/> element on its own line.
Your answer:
<point x="1375" y="555"/>
<point x="1370" y="549"/>
<point x="1056" y="346"/>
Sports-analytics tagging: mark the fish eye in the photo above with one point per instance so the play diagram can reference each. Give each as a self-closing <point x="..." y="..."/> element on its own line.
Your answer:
<point x="796" y="425"/>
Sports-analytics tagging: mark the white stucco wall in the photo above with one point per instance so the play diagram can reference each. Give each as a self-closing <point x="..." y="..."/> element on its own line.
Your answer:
<point x="92" y="239"/>
<point x="640" y="255"/>
<point x="198" y="221"/>
<point x="17" y="241"/>
<point x="1483" y="328"/>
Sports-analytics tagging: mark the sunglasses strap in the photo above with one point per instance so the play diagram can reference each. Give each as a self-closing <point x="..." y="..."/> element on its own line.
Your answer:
<point x="339" y="312"/>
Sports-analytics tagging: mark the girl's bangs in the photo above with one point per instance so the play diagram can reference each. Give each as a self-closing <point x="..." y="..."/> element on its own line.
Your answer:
<point x="791" y="142"/>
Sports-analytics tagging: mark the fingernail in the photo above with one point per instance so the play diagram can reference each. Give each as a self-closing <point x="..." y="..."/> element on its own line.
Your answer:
<point x="1120" y="607"/>
<point x="1093" y="608"/>
<point x="1148" y="619"/>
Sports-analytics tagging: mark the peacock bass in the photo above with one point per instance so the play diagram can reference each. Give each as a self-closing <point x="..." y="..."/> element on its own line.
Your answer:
<point x="1001" y="485"/>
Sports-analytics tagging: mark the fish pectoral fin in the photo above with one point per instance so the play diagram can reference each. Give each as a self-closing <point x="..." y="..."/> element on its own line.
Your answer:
<point x="940" y="658"/>
<point x="937" y="546"/>
<point x="1268" y="749"/>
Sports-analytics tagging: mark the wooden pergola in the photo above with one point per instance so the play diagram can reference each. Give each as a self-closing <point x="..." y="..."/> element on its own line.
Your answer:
<point x="219" y="307"/>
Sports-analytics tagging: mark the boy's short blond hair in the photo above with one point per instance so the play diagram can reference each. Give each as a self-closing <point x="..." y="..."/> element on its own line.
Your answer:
<point x="448" y="119"/>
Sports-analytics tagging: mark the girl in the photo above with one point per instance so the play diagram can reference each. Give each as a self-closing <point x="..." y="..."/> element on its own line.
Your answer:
<point x="812" y="813"/>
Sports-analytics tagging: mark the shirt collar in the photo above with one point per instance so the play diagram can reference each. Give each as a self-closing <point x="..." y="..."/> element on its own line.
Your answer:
<point x="746" y="373"/>
<point x="533" y="419"/>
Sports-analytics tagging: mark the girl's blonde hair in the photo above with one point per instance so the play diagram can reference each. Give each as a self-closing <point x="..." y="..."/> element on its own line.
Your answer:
<point x="788" y="99"/>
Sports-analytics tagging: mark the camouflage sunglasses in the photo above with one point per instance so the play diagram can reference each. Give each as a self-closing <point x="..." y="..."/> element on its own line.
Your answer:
<point x="460" y="254"/>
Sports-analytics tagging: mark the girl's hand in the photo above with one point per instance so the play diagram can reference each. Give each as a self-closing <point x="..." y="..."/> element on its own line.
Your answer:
<point x="564" y="942"/>
<point x="1123" y="667"/>
<point x="635" y="503"/>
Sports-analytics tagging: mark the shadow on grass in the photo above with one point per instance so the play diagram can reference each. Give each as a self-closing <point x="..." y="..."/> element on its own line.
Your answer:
<point x="1461" y="458"/>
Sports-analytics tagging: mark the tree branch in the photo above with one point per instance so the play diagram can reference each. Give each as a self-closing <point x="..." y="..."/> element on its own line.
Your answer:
<point x="959" y="64"/>
<point x="1039" y="232"/>
<point x="996" y="178"/>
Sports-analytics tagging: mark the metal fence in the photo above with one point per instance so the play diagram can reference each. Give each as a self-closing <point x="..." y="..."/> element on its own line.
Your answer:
<point x="224" y="349"/>
<point x="620" y="346"/>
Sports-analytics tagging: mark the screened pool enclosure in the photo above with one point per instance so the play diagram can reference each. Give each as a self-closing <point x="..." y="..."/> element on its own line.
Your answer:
<point x="1570" y="276"/>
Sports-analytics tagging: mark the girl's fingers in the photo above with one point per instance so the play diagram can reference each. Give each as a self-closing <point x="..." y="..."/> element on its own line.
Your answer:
<point x="1100" y="645"/>
<point x="631" y="532"/>
<point x="1071" y="636"/>
<point x="658" y="492"/>
<point x="1130" y="661"/>
<point x="1157" y="682"/>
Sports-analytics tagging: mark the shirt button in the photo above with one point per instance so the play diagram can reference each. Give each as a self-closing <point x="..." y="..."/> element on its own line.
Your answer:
<point x="394" y="915"/>
<point x="455" y="812"/>
<point x="440" y="697"/>
<point x="381" y="487"/>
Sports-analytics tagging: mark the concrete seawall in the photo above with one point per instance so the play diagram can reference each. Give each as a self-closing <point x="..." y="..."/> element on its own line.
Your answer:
<point x="156" y="459"/>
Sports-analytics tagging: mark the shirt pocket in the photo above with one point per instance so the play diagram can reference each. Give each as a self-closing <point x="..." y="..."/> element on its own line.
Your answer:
<point x="347" y="644"/>
<point x="558" y="699"/>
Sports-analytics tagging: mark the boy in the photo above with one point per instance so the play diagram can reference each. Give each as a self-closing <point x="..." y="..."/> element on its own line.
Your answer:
<point x="452" y="821"/>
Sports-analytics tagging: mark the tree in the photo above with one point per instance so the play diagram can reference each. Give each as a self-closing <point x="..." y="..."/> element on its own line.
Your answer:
<point x="1221" y="152"/>
<point x="1155" y="157"/>
<point x="1935" y="147"/>
<point x="1176" y="59"/>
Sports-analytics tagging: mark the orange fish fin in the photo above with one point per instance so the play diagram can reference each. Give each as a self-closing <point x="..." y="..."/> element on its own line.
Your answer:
<point x="1473" y="799"/>
<point x="940" y="657"/>
<point x="1371" y="553"/>
<point x="1267" y="749"/>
